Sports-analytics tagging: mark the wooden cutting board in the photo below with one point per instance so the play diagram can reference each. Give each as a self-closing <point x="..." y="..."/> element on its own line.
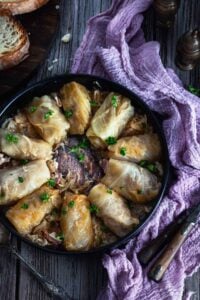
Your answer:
<point x="41" y="26"/>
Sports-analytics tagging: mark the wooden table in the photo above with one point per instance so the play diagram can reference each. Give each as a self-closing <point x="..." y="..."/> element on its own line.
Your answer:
<point x="83" y="277"/>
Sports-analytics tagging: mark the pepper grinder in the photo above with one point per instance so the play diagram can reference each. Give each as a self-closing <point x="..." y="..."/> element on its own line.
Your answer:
<point x="188" y="50"/>
<point x="166" y="11"/>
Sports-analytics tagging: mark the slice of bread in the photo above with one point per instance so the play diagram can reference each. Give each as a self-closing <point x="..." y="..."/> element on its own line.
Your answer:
<point x="18" y="7"/>
<point x="14" y="41"/>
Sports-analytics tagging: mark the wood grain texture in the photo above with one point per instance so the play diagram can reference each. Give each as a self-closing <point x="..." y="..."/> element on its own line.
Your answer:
<point x="41" y="26"/>
<point x="83" y="277"/>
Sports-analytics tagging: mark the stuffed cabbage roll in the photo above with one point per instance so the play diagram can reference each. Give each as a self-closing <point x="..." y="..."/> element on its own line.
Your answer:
<point x="109" y="120"/>
<point x="22" y="147"/>
<point x="76" y="223"/>
<point x="131" y="181"/>
<point x="19" y="123"/>
<point x="137" y="148"/>
<point x="30" y="210"/>
<point x="46" y="117"/>
<point x="17" y="182"/>
<point x="112" y="208"/>
<point x="76" y="104"/>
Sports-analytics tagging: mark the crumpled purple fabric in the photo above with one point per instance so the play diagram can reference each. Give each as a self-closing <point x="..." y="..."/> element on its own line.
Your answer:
<point x="114" y="47"/>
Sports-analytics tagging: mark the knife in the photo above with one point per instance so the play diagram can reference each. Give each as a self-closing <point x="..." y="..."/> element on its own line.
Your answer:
<point x="160" y="266"/>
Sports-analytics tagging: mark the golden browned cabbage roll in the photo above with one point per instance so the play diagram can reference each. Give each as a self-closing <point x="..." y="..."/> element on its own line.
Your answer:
<point x="17" y="182"/>
<point x="46" y="117"/>
<point x="76" y="104"/>
<point x="131" y="181"/>
<point x="109" y="120"/>
<point x="30" y="210"/>
<point x="137" y="148"/>
<point x="22" y="147"/>
<point x="76" y="223"/>
<point x="112" y="208"/>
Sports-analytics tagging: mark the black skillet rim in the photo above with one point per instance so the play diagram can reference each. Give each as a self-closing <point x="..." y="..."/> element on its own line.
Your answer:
<point x="90" y="79"/>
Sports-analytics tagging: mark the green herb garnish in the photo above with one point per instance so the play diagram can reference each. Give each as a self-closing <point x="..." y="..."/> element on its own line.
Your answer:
<point x="76" y="150"/>
<point x="32" y="109"/>
<point x="25" y="206"/>
<point x="44" y="197"/>
<point x="60" y="236"/>
<point x="194" y="90"/>
<point x="48" y="114"/>
<point x="93" y="103"/>
<point x="71" y="203"/>
<point x="123" y="151"/>
<point x="20" y="179"/>
<point x="84" y="144"/>
<point x="151" y="167"/>
<point x="68" y="113"/>
<point x="93" y="209"/>
<point x="24" y="161"/>
<point x="109" y="191"/>
<point x="114" y="101"/>
<point x="51" y="182"/>
<point x="111" y="140"/>
<point x="11" y="138"/>
<point x="81" y="157"/>
<point x="64" y="210"/>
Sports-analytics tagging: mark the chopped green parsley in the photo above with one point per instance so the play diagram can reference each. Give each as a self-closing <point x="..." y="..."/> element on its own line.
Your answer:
<point x="25" y="206"/>
<point x="32" y="109"/>
<point x="60" y="236"/>
<point x="68" y="113"/>
<point x="114" y="101"/>
<point x="64" y="210"/>
<point x="11" y="138"/>
<point x="20" y="179"/>
<point x="81" y="157"/>
<point x="48" y="114"/>
<point x="111" y="140"/>
<point x="109" y="191"/>
<point x="71" y="203"/>
<point x="84" y="144"/>
<point x="93" y="209"/>
<point x="123" y="151"/>
<point x="151" y="167"/>
<point x="24" y="161"/>
<point x="44" y="197"/>
<point x="51" y="182"/>
<point x="93" y="103"/>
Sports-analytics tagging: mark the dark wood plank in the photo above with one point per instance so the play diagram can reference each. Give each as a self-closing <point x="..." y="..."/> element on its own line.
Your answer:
<point x="82" y="276"/>
<point x="44" y="21"/>
<point x="8" y="271"/>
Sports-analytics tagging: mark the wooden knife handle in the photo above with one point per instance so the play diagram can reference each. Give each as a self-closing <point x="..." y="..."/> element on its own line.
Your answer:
<point x="156" y="245"/>
<point x="160" y="266"/>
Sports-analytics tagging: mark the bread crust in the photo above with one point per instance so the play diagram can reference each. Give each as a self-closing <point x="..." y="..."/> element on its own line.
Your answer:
<point x="22" y="6"/>
<point x="21" y="52"/>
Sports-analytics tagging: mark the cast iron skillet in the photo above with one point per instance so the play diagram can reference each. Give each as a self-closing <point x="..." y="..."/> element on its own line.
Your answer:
<point x="10" y="106"/>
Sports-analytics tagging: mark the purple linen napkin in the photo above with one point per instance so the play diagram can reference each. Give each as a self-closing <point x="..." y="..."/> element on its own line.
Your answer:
<point x="114" y="47"/>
